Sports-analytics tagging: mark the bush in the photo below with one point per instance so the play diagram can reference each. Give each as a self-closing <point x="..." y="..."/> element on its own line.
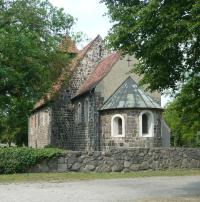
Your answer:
<point x="19" y="160"/>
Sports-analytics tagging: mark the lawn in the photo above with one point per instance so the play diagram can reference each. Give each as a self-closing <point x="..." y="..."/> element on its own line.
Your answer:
<point x="71" y="176"/>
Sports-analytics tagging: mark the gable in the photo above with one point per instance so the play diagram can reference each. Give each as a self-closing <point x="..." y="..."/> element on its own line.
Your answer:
<point x="129" y="95"/>
<point x="99" y="72"/>
<point x="78" y="69"/>
<point x="117" y="75"/>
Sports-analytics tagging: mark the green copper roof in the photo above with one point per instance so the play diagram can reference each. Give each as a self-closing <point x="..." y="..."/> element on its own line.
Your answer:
<point x="129" y="95"/>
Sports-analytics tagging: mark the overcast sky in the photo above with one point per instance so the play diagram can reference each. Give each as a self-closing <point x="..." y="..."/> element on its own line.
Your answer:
<point x="89" y="14"/>
<point x="90" y="18"/>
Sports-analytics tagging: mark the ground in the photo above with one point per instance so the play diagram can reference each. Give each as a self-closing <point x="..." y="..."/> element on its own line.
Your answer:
<point x="151" y="189"/>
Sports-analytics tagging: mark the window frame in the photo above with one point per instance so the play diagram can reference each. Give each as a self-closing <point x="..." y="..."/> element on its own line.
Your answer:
<point x="113" y="127"/>
<point x="150" y="121"/>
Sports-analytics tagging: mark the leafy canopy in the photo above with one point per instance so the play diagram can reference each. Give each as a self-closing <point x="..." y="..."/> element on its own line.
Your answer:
<point x="30" y="59"/>
<point x="182" y="115"/>
<point x="164" y="35"/>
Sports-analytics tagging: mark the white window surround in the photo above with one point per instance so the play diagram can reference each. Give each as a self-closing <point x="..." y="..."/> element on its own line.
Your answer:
<point x="150" y="124"/>
<point x="114" y="125"/>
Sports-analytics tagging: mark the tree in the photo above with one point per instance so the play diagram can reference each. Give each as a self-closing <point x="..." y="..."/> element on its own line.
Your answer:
<point x="182" y="115"/>
<point x="164" y="35"/>
<point x="30" y="59"/>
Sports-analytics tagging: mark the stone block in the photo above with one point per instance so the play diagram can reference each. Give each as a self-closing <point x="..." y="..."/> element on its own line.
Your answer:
<point x="62" y="167"/>
<point x="126" y="170"/>
<point x="127" y="164"/>
<point x="117" y="168"/>
<point x="103" y="168"/>
<point x="76" y="166"/>
<point x="61" y="160"/>
<point x="53" y="165"/>
<point x="89" y="168"/>
<point x="43" y="167"/>
<point x="135" y="167"/>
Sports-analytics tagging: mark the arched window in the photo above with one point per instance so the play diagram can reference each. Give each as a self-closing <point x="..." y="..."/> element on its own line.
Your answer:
<point x="117" y="126"/>
<point x="146" y="124"/>
<point x="86" y="110"/>
<point x="79" y="111"/>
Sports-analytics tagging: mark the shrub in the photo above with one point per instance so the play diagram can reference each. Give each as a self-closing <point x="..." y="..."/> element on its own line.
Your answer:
<point x="19" y="160"/>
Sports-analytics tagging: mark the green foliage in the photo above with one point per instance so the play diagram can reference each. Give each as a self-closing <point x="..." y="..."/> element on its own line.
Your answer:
<point x="49" y="146"/>
<point x="19" y="160"/>
<point x="30" y="60"/>
<point x="182" y="115"/>
<point x="164" y="35"/>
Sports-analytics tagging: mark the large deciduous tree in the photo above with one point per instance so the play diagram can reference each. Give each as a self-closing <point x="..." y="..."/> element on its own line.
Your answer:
<point x="164" y="35"/>
<point x="183" y="115"/>
<point x="30" y="59"/>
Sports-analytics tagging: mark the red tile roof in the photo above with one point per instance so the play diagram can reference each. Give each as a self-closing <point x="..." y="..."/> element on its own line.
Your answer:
<point x="101" y="70"/>
<point x="60" y="81"/>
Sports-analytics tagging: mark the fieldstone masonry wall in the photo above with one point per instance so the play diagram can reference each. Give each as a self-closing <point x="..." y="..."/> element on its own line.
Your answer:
<point x="123" y="160"/>
<point x="132" y="138"/>
<point x="64" y="132"/>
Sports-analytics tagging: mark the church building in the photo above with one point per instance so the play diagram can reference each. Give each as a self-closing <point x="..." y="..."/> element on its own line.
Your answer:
<point x="97" y="104"/>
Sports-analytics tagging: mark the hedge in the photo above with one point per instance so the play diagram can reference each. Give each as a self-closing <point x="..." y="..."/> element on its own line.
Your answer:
<point x="19" y="160"/>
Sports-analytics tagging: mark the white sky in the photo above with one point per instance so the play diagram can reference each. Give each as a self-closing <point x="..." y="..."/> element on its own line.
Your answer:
<point x="90" y="19"/>
<point x="89" y="14"/>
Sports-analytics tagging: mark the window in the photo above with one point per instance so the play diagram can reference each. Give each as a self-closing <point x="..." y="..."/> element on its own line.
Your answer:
<point x="86" y="111"/>
<point x="117" y="126"/>
<point x="146" y="124"/>
<point x="79" y="111"/>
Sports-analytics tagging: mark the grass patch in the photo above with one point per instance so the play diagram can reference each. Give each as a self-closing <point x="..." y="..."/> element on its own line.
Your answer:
<point x="72" y="176"/>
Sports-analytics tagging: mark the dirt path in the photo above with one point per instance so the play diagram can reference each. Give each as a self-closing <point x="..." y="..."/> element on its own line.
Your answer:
<point x="153" y="189"/>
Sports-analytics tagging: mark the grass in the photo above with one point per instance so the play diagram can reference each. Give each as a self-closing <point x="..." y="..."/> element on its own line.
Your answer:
<point x="71" y="176"/>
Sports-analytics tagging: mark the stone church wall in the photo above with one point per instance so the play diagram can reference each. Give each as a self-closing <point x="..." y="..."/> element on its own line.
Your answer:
<point x="64" y="132"/>
<point x="86" y="135"/>
<point x="132" y="137"/>
<point x="123" y="160"/>
<point x="39" y="128"/>
<point x="84" y="130"/>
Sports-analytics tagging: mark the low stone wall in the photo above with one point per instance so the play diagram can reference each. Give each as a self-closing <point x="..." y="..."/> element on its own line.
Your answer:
<point x="123" y="160"/>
